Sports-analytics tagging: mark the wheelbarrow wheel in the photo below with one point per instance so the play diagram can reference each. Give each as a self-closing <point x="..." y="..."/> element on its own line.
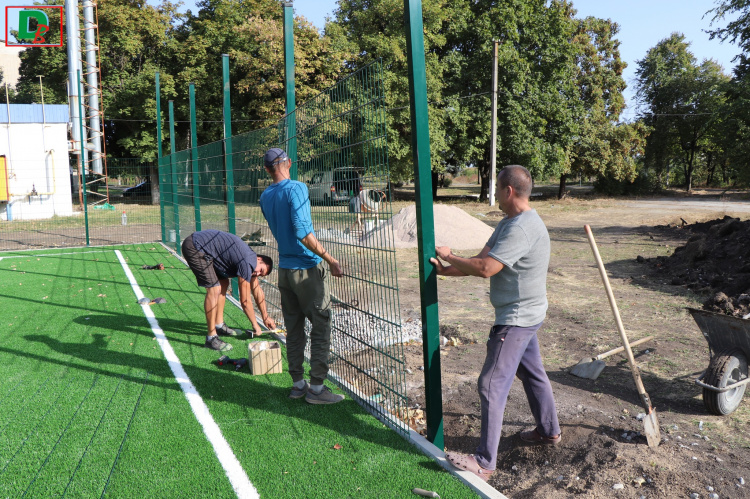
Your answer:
<point x="727" y="367"/>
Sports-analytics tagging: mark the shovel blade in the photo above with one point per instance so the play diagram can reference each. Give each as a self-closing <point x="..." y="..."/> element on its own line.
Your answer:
<point x="588" y="368"/>
<point x="651" y="429"/>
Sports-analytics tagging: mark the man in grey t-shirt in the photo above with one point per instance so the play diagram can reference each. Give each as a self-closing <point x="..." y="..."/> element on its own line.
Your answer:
<point x="515" y="259"/>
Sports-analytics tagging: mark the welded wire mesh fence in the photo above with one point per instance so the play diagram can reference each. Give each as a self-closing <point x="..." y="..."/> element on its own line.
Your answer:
<point x="340" y="140"/>
<point x="55" y="215"/>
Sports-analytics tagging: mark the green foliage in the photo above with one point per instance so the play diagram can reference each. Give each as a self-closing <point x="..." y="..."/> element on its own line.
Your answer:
<point x="736" y="31"/>
<point x="371" y="30"/>
<point x="735" y="136"/>
<point x="139" y="39"/>
<point x="11" y="92"/>
<point x="683" y="100"/>
<point x="559" y="90"/>
<point x="605" y="148"/>
<point x="643" y="183"/>
<point x="252" y="34"/>
<point x="48" y="61"/>
<point x="537" y="95"/>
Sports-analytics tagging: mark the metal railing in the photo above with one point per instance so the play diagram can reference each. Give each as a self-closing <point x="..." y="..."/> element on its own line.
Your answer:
<point x="341" y="146"/>
<point x="130" y="216"/>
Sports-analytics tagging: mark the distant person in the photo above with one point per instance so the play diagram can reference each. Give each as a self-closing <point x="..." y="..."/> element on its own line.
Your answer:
<point x="215" y="257"/>
<point x="515" y="258"/>
<point x="303" y="278"/>
<point x="367" y="201"/>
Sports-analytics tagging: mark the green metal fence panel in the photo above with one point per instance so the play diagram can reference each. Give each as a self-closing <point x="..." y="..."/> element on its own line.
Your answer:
<point x="131" y="214"/>
<point x="212" y="186"/>
<point x="194" y="159"/>
<point x="342" y="156"/>
<point x="167" y="188"/>
<point x="184" y="192"/>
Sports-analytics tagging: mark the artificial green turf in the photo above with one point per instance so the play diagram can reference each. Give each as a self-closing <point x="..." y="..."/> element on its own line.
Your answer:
<point x="88" y="403"/>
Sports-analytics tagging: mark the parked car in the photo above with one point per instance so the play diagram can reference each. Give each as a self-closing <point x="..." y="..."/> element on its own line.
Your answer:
<point x="334" y="186"/>
<point x="141" y="190"/>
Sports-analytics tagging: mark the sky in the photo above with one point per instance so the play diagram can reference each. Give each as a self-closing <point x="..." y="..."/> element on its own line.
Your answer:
<point x="643" y="23"/>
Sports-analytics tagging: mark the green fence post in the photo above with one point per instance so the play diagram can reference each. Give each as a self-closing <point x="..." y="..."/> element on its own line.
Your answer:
<point x="175" y="192"/>
<point x="228" y="164"/>
<point x="420" y="143"/>
<point x="159" y="158"/>
<point x="291" y="148"/>
<point x="83" y="164"/>
<point x="194" y="158"/>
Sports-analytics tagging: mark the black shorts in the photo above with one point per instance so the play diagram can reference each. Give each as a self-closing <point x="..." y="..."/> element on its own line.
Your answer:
<point x="200" y="264"/>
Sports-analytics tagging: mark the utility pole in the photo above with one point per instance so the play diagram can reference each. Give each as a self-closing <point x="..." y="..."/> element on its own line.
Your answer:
<point x="493" y="147"/>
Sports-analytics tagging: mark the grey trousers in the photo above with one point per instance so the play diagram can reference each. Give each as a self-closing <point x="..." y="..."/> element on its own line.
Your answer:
<point x="512" y="351"/>
<point x="305" y="294"/>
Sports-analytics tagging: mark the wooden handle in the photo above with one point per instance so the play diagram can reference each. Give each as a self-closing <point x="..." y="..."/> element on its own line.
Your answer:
<point x="613" y="305"/>
<point x="620" y="349"/>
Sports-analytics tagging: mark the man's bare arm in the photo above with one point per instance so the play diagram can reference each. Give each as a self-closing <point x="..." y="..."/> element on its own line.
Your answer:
<point x="247" y="305"/>
<point x="311" y="242"/>
<point x="481" y="265"/>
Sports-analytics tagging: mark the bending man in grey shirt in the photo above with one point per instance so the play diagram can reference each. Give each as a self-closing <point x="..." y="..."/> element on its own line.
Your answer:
<point x="515" y="259"/>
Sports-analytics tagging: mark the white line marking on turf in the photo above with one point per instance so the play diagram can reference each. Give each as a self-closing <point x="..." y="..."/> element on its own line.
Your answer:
<point x="236" y="474"/>
<point x="57" y="254"/>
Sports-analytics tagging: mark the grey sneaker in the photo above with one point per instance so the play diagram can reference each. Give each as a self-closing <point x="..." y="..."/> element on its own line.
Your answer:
<point x="326" y="396"/>
<point x="298" y="393"/>
<point x="223" y="330"/>
<point x="216" y="343"/>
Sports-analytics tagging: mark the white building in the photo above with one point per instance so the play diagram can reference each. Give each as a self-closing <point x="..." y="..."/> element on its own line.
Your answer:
<point x="10" y="62"/>
<point x="34" y="162"/>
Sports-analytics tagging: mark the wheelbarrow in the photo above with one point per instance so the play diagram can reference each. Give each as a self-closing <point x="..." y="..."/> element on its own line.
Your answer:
<point x="725" y="379"/>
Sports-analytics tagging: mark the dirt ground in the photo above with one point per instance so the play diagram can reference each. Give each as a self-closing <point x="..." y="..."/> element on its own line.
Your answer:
<point x="603" y="453"/>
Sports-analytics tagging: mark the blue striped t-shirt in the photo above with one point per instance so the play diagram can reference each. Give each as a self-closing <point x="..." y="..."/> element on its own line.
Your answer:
<point x="230" y="255"/>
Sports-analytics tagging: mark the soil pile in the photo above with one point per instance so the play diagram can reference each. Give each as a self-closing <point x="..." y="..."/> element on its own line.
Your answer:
<point x="453" y="227"/>
<point x="715" y="261"/>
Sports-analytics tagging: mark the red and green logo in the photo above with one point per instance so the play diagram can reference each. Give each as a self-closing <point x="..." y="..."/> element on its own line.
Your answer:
<point x="33" y="25"/>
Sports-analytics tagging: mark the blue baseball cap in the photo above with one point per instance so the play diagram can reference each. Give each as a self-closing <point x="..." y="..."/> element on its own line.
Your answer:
<point x="272" y="155"/>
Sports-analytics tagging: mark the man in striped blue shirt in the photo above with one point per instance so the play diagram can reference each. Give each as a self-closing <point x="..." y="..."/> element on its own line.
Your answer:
<point x="215" y="257"/>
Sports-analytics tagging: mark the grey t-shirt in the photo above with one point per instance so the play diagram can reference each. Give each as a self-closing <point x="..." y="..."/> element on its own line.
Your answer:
<point x="519" y="291"/>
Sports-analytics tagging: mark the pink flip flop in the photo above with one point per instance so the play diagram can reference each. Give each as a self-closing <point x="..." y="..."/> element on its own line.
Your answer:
<point x="468" y="463"/>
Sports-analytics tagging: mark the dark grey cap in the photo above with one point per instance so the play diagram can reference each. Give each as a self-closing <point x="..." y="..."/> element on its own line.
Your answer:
<point x="272" y="155"/>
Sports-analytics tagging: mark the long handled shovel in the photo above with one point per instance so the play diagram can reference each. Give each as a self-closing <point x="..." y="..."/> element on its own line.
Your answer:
<point x="592" y="367"/>
<point x="650" y="423"/>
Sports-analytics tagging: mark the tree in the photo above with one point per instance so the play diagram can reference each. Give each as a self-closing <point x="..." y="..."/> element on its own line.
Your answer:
<point x="11" y="91"/>
<point x="736" y="31"/>
<point x="536" y="108"/>
<point x="682" y="99"/>
<point x="256" y="50"/>
<point x="135" y="40"/>
<point x="372" y="30"/>
<point x="48" y="61"/>
<point x="737" y="110"/>
<point x="603" y="148"/>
